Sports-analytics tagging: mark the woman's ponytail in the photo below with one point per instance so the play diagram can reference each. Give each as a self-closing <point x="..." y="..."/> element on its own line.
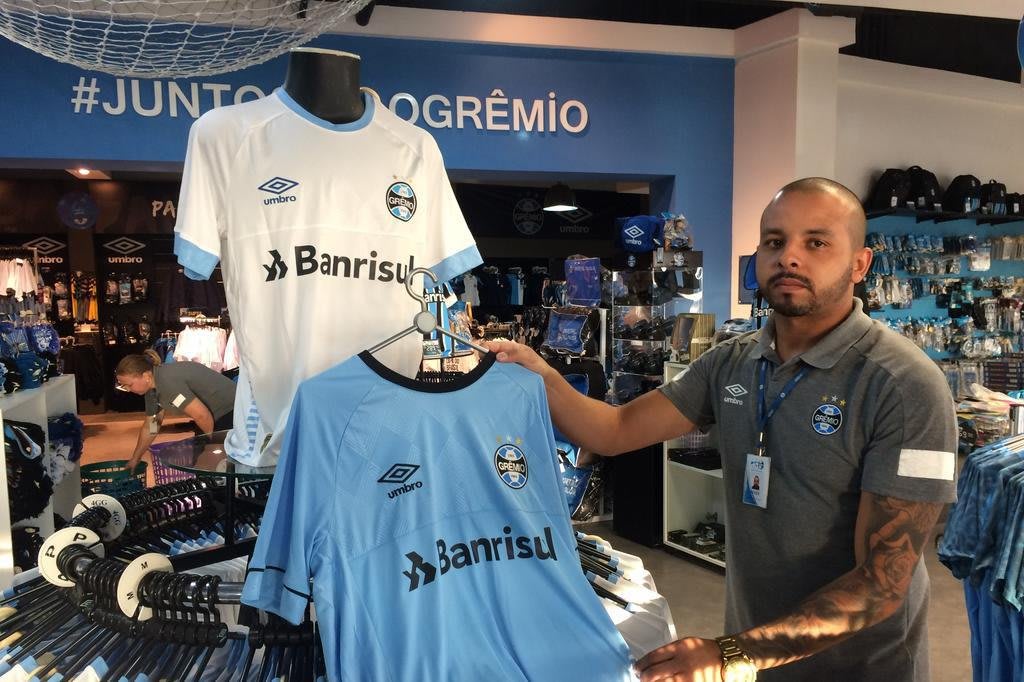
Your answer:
<point x="136" y="365"/>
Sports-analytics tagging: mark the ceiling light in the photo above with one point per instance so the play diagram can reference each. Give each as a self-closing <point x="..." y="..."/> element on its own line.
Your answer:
<point x="85" y="173"/>
<point x="560" y="198"/>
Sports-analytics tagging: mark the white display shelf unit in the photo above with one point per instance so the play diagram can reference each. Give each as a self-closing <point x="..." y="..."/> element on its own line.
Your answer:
<point x="690" y="493"/>
<point x="52" y="399"/>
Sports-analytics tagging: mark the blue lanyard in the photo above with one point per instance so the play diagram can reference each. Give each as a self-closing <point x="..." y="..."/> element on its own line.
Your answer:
<point x="764" y="415"/>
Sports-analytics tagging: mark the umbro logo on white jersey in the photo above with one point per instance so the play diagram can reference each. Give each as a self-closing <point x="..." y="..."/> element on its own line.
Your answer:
<point x="278" y="186"/>
<point x="734" y="391"/>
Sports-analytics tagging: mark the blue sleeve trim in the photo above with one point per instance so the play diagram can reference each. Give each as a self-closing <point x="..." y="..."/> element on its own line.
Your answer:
<point x="198" y="264"/>
<point x="268" y="591"/>
<point x="457" y="263"/>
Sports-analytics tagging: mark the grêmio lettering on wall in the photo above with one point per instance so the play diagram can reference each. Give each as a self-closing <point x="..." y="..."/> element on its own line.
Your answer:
<point x="495" y="111"/>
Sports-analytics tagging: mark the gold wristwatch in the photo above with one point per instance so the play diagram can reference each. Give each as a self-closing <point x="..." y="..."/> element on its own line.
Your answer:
<point x="736" y="665"/>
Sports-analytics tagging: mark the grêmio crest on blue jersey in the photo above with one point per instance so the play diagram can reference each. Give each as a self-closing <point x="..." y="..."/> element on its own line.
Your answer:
<point x="510" y="463"/>
<point x="401" y="201"/>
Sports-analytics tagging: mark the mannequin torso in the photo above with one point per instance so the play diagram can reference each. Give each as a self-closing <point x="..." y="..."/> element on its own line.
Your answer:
<point x="325" y="83"/>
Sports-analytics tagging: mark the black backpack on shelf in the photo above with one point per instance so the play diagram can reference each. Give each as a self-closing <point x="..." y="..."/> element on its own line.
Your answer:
<point x="993" y="198"/>
<point x="925" y="192"/>
<point x="963" y="195"/>
<point x="1014" y="204"/>
<point x="890" y="191"/>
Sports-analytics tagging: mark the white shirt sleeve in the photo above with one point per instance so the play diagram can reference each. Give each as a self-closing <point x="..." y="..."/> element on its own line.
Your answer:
<point x="451" y="249"/>
<point x="198" y="230"/>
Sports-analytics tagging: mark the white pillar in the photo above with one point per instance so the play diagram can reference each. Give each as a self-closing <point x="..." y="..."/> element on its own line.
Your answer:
<point x="785" y="115"/>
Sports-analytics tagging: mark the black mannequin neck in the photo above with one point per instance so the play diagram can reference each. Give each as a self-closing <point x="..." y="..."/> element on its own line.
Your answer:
<point x="326" y="84"/>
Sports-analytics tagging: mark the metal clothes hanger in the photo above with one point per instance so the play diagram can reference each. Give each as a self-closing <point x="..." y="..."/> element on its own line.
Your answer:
<point x="424" y="322"/>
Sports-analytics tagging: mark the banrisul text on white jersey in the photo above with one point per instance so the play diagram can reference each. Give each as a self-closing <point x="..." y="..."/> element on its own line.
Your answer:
<point x="309" y="261"/>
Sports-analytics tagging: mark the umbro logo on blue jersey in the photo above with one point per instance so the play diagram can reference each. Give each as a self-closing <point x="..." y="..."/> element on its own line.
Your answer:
<point x="461" y="555"/>
<point x="401" y="473"/>
<point x="278" y="186"/>
<point x="510" y="463"/>
<point x="401" y="201"/>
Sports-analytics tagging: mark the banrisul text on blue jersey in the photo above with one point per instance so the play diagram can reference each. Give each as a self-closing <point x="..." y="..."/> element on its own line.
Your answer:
<point x="461" y="555"/>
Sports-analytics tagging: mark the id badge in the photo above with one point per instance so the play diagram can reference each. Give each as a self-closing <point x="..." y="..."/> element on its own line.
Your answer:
<point x="755" y="481"/>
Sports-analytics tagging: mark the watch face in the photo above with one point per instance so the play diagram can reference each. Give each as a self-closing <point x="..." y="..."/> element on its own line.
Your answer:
<point x="739" y="670"/>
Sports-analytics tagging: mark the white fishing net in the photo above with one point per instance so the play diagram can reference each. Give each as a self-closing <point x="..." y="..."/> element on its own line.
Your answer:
<point x="167" y="38"/>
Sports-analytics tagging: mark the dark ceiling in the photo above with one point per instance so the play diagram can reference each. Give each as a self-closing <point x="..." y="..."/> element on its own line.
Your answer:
<point x="971" y="45"/>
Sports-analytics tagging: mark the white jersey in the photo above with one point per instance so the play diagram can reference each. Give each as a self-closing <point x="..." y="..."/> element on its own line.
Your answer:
<point x="317" y="226"/>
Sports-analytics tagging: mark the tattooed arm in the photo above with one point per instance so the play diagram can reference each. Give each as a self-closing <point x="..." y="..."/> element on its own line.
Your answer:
<point x="890" y="536"/>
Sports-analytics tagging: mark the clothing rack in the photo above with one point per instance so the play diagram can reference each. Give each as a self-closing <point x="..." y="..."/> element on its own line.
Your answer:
<point x="18" y="252"/>
<point x="200" y="319"/>
<point x="980" y="546"/>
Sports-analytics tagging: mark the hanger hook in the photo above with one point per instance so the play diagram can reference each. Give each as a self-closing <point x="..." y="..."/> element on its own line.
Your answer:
<point x="412" y="292"/>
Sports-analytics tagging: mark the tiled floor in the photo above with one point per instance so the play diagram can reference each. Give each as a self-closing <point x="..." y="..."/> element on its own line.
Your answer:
<point x="695" y="591"/>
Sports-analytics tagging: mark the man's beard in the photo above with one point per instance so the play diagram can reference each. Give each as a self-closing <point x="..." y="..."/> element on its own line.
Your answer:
<point x="791" y="308"/>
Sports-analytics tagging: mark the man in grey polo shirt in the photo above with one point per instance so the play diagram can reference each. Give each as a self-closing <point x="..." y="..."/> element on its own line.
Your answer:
<point x="851" y="433"/>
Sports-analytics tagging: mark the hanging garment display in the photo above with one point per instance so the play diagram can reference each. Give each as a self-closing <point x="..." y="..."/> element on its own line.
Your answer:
<point x="204" y="345"/>
<point x="289" y="253"/>
<point x="423" y="520"/>
<point x="29" y="487"/>
<point x="982" y="547"/>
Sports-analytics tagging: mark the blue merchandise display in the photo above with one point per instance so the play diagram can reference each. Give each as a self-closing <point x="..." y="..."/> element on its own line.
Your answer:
<point x="425" y="517"/>
<point x="583" y="280"/>
<point x="983" y="545"/>
<point x="565" y="332"/>
<point x="641" y="234"/>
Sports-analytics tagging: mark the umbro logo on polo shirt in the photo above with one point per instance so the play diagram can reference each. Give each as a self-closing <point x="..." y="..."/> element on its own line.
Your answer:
<point x="734" y="391"/>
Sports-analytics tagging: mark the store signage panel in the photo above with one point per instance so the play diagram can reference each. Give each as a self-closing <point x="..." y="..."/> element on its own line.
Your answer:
<point x="122" y="252"/>
<point x="535" y="108"/>
<point x="51" y="249"/>
<point x="518" y="212"/>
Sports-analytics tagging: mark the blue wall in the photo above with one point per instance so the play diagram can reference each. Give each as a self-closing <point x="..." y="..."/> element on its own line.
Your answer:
<point x="650" y="117"/>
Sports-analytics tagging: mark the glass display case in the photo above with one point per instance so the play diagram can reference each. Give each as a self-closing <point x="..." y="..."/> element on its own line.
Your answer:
<point x="646" y="329"/>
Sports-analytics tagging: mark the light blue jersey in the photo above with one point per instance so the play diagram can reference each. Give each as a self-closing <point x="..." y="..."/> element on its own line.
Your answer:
<point x="982" y="545"/>
<point x="431" y="520"/>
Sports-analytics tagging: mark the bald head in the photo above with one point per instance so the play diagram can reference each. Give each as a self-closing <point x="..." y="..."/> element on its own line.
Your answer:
<point x="855" y="219"/>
